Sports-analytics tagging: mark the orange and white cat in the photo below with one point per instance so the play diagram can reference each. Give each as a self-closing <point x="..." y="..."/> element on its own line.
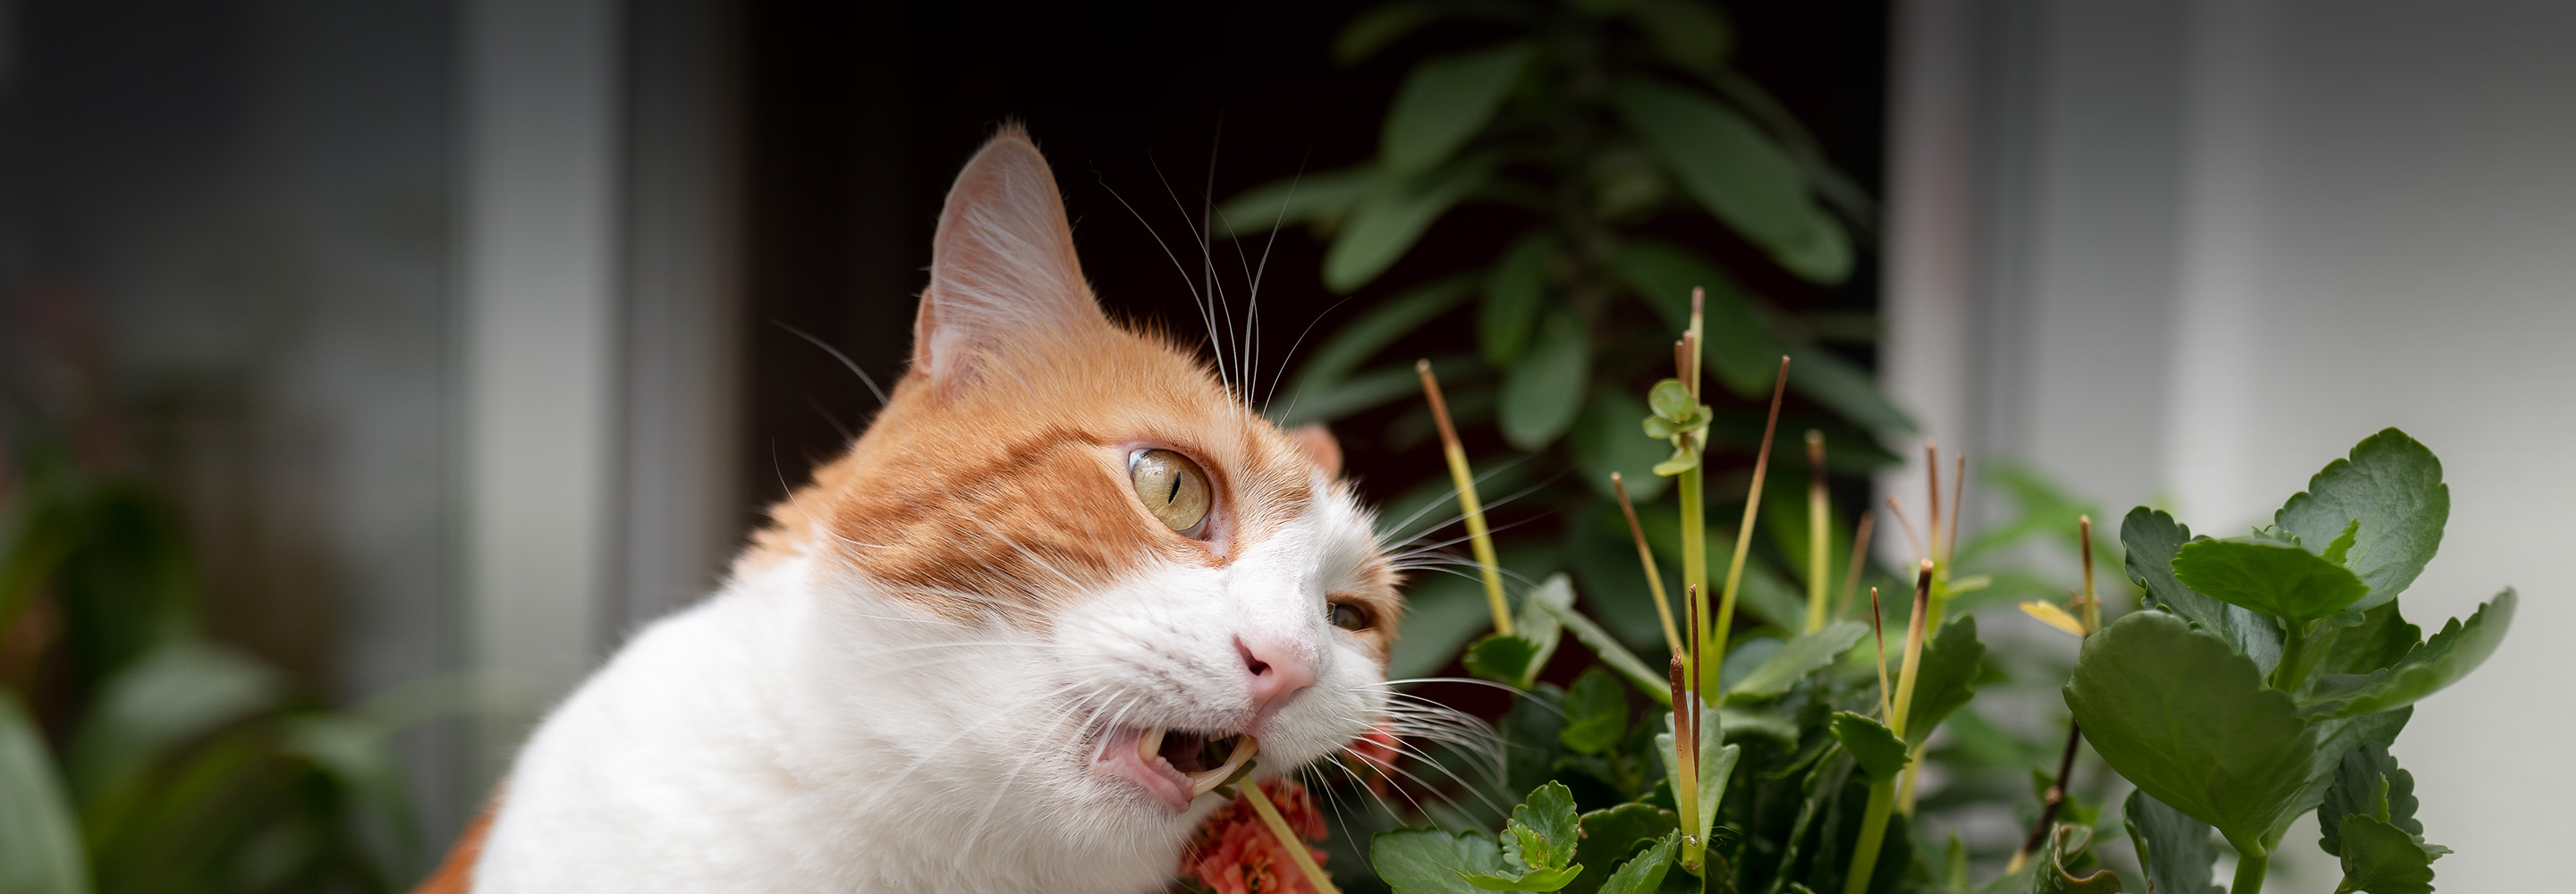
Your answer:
<point x="1006" y="643"/>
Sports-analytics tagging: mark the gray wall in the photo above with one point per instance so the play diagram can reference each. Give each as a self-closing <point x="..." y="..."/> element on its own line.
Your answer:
<point x="2184" y="253"/>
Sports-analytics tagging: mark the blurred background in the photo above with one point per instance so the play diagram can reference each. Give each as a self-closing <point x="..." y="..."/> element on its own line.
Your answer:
<point x="419" y="351"/>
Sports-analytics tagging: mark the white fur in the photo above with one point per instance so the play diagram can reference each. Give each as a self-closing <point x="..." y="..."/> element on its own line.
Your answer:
<point x="801" y="732"/>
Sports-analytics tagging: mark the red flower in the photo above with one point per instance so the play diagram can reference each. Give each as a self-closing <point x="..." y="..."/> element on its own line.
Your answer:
<point x="1233" y="851"/>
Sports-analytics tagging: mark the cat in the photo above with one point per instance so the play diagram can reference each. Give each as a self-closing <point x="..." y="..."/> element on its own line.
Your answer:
<point x="1007" y="642"/>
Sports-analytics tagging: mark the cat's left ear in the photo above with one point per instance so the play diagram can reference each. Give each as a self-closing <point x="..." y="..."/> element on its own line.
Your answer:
<point x="1003" y="276"/>
<point x="1318" y="444"/>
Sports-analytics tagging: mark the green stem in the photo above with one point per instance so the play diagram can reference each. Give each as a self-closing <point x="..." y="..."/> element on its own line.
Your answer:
<point x="1695" y="563"/>
<point x="2294" y="651"/>
<point x="2250" y="863"/>
<point x="1873" y="832"/>
<point x="1288" y="839"/>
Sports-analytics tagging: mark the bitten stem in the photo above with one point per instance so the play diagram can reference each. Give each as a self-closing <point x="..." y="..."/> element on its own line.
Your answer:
<point x="1480" y="541"/>
<point x="1288" y="840"/>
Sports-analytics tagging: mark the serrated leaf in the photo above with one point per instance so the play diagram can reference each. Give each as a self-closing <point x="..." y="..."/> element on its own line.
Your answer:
<point x="2176" y="851"/>
<point x="1321" y="200"/>
<point x="1382" y="227"/>
<point x="2279" y="579"/>
<point x="1527" y="880"/>
<point x="2382" y="859"/>
<point x="1740" y="348"/>
<point x="1870" y="742"/>
<point x="1796" y="659"/>
<point x="1513" y="292"/>
<point x="1443" y="102"/>
<point x="2367" y="782"/>
<point x="1543" y="392"/>
<point x="1545" y="825"/>
<point x="1725" y="162"/>
<point x="1610" y="835"/>
<point x="2184" y="716"/>
<point x="1946" y="678"/>
<point x="2393" y="487"/>
<point x="1644" y="872"/>
<point x="1429" y="861"/>
<point x="40" y="842"/>
<point x="2151" y="539"/>
<point x="1596" y="712"/>
<point x="2441" y="661"/>
<point x="1602" y="444"/>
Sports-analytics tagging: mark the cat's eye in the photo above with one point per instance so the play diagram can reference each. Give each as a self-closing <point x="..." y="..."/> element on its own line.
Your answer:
<point x="1171" y="486"/>
<point x="1349" y="617"/>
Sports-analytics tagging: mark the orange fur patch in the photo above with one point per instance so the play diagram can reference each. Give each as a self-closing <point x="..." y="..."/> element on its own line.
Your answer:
<point x="455" y="875"/>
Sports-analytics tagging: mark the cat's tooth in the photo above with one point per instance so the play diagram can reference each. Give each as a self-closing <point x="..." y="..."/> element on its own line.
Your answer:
<point x="1206" y="781"/>
<point x="1149" y="743"/>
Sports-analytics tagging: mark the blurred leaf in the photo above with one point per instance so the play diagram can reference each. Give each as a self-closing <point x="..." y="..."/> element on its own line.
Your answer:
<point x="2392" y="486"/>
<point x="1543" y="392"/>
<point x="1821" y="252"/>
<point x="2275" y="578"/>
<point x="1320" y="200"/>
<point x="1513" y="292"/>
<point x="1377" y="27"/>
<point x="1827" y="378"/>
<point x="1510" y="660"/>
<point x="40" y="845"/>
<point x="1387" y="223"/>
<point x="1596" y="712"/>
<point x="1614" y="656"/>
<point x="1359" y="392"/>
<point x="1602" y="443"/>
<point x="1731" y="167"/>
<point x="1440" y="615"/>
<point x="1740" y="350"/>
<point x="1372" y="331"/>
<point x="1769" y="596"/>
<point x="2382" y="859"/>
<point x="1946" y="678"/>
<point x="177" y="692"/>
<point x="1541" y="605"/>
<point x="2184" y="716"/>
<point x="1428" y="861"/>
<point x="2152" y="539"/>
<point x="1870" y="742"/>
<point x="1799" y="657"/>
<point x="2440" y="662"/>
<point x="1433" y="504"/>
<point x="1691" y="36"/>
<point x="2176" y="851"/>
<point x="1444" y="101"/>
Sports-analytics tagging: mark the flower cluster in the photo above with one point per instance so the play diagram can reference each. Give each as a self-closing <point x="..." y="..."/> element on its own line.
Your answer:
<point x="1234" y="853"/>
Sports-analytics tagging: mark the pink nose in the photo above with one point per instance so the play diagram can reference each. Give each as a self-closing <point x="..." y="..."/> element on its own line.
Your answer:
<point x="1279" y="671"/>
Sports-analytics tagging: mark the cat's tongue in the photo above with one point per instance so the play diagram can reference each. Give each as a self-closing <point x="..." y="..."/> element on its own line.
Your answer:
<point x="1174" y="766"/>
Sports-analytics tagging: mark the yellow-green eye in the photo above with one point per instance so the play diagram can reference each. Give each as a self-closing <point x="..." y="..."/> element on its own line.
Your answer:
<point x="1172" y="486"/>
<point x="1350" y="617"/>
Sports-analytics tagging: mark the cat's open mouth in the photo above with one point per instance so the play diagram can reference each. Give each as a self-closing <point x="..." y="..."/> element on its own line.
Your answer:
<point x="1175" y="766"/>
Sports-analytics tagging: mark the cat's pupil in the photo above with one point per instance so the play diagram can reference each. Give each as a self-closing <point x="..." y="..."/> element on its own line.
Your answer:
<point x="1171" y="487"/>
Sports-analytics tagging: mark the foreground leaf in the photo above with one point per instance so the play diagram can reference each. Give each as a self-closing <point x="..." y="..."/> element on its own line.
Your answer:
<point x="1646" y="871"/>
<point x="1502" y="659"/>
<point x="2439" y="662"/>
<point x="1444" y="101"/>
<point x="2393" y="486"/>
<point x="2382" y="859"/>
<point x="1946" y="678"/>
<point x="2152" y="539"/>
<point x="2066" y="845"/>
<point x="2368" y="782"/>
<point x="1596" y="713"/>
<point x="2178" y="712"/>
<point x="1429" y="861"/>
<point x="1872" y="744"/>
<point x="2278" y="579"/>
<point x="1799" y="657"/>
<point x="40" y="844"/>
<point x="1610" y="835"/>
<point x="2176" y="851"/>
<point x="1716" y="764"/>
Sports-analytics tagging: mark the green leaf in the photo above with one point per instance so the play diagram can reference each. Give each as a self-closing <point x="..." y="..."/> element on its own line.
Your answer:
<point x="176" y="692"/>
<point x="1610" y="835"/>
<point x="1440" y="615"/>
<point x="2392" y="486"/>
<point x="1741" y="350"/>
<point x="2381" y="639"/>
<point x="1543" y="392"/>
<point x="2184" y="716"/>
<point x="40" y="843"/>
<point x="1374" y="29"/>
<point x="2283" y="580"/>
<point x="1503" y="659"/>
<point x="1870" y="742"/>
<point x="1798" y="658"/>
<point x="2439" y="662"/>
<point x="1734" y="169"/>
<point x="1525" y="880"/>
<point x="2368" y="782"/>
<point x="1615" y="656"/>
<point x="1537" y="619"/>
<point x="1670" y="400"/>
<point x="2066" y="845"/>
<point x="1387" y="223"/>
<point x="1822" y="252"/>
<point x="2176" y="851"/>
<point x="1602" y="444"/>
<point x="1320" y="200"/>
<point x="1513" y="293"/>
<point x="1946" y="678"/>
<point x="1716" y="764"/>
<point x="1596" y="713"/>
<point x="1547" y="816"/>
<point x="1825" y="377"/>
<point x="1444" y="101"/>
<point x="1530" y="745"/>
<point x="1338" y="399"/>
<point x="2383" y="859"/>
<point x="1364" y="336"/>
<point x="2151" y="539"/>
<point x="1429" y="861"/>
<point x="1691" y="36"/>
<point x="1645" y="872"/>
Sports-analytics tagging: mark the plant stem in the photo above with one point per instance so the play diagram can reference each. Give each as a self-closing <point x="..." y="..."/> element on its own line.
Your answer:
<point x="1859" y="556"/>
<point x="1686" y="761"/>
<point x="1725" y="618"/>
<point x="1873" y="832"/>
<point x="2294" y="654"/>
<point x="1481" y="542"/>
<point x="1646" y="558"/>
<point x="2251" y="861"/>
<point x="2050" y="803"/>
<point x="1288" y="840"/>
<point x="1817" y="545"/>
<point x="1914" y="632"/>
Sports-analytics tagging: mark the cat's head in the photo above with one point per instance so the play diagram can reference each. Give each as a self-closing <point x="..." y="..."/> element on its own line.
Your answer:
<point x="1187" y="571"/>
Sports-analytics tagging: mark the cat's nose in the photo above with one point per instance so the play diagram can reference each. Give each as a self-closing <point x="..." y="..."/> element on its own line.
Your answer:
<point x="1279" y="671"/>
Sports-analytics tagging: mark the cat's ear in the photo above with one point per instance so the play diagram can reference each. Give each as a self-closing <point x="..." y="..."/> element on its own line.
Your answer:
<point x="1318" y="444"/>
<point x="1003" y="277"/>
